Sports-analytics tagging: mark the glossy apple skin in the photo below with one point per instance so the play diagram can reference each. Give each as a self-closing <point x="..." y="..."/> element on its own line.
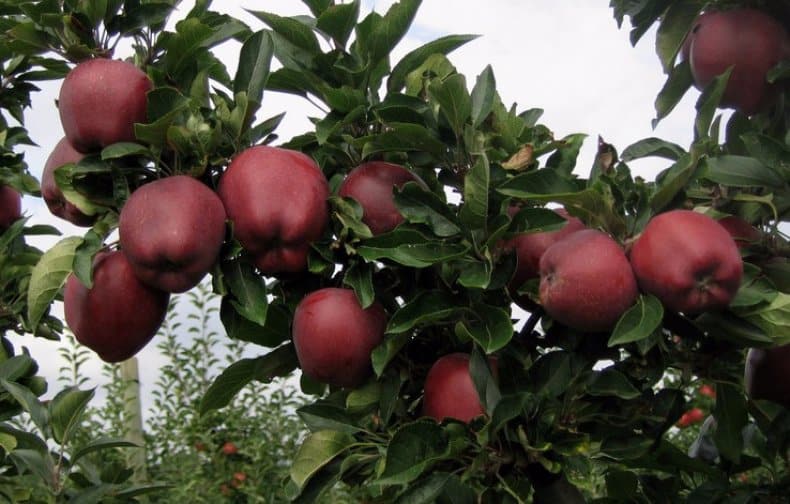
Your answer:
<point x="10" y="206"/>
<point x="64" y="153"/>
<point x="371" y="185"/>
<point x="100" y="101"/>
<point x="767" y="374"/>
<point x="741" y="231"/>
<point x="277" y="200"/>
<point x="688" y="261"/>
<point x="530" y="247"/>
<point x="449" y="391"/>
<point x="586" y="282"/>
<point x="334" y="337"/>
<point x="171" y="230"/>
<point x="751" y="41"/>
<point x="119" y="315"/>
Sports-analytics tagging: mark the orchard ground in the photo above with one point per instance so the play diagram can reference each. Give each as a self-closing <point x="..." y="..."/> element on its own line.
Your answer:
<point x="568" y="58"/>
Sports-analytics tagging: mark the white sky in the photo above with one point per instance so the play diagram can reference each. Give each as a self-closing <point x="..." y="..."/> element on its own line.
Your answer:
<point x="568" y="58"/>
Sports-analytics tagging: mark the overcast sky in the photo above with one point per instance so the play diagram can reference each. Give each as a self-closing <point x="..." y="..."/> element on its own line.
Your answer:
<point x="568" y="58"/>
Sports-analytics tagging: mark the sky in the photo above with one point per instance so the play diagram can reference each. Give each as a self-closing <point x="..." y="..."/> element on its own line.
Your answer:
<point x="568" y="58"/>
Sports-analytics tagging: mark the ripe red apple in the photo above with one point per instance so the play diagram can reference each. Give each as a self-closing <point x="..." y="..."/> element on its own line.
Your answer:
<point x="688" y="261"/>
<point x="229" y="448"/>
<point x="767" y="374"/>
<point x="751" y="42"/>
<point x="449" y="391"/>
<point x="10" y="206"/>
<point x="685" y="49"/>
<point x="586" y="281"/>
<point x="276" y="199"/>
<point x="171" y="230"/>
<point x="64" y="153"/>
<point x="100" y="101"/>
<point x="529" y="248"/>
<point x="334" y="336"/>
<point x="741" y="231"/>
<point x="119" y="315"/>
<point x="371" y="185"/>
<point x="691" y="417"/>
<point x="707" y="391"/>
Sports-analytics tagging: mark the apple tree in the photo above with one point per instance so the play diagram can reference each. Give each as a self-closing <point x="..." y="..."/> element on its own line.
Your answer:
<point x="476" y="319"/>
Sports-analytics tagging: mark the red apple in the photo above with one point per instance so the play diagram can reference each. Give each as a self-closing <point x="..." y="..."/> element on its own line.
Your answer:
<point x="707" y="391"/>
<point x="10" y="206"/>
<point x="688" y="261"/>
<point x="450" y="391"/>
<point x="119" y="315"/>
<point x="586" y="281"/>
<point x="685" y="49"/>
<point x="529" y="248"/>
<point x="276" y="199"/>
<point x="371" y="185"/>
<point x="171" y="230"/>
<point x="64" y="153"/>
<point x="767" y="374"/>
<point x="741" y="231"/>
<point x="751" y="42"/>
<point x="691" y="417"/>
<point x="229" y="448"/>
<point x="100" y="101"/>
<point x="334" y="336"/>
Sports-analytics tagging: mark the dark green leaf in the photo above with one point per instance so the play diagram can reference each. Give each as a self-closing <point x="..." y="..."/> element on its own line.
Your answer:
<point x="409" y="248"/>
<point x="454" y="101"/>
<point x="480" y="368"/>
<point x="420" y="206"/>
<point x="639" y="321"/>
<point x="678" y="82"/>
<point x="99" y="445"/>
<point x="38" y="412"/>
<point x="474" y="212"/>
<point x="387" y="31"/>
<point x="425" y="491"/>
<point x="360" y="278"/>
<point x="731" y="417"/>
<point x="65" y="411"/>
<point x="272" y="334"/>
<point x="672" y="30"/>
<point x="387" y="350"/>
<point x="740" y="171"/>
<point x="491" y="327"/>
<point x="401" y="137"/>
<point x="248" y="289"/>
<point x="611" y="382"/>
<point x="48" y="276"/>
<point x="652" y="147"/>
<point x="427" y="307"/>
<point x="123" y="149"/>
<point x="708" y="103"/>
<point x="338" y="21"/>
<point x="253" y="70"/>
<point x="417" y="57"/>
<point x="292" y="30"/>
<point x="315" y="452"/>
<point x="483" y="95"/>
<point x="326" y="416"/>
<point x="412" y="450"/>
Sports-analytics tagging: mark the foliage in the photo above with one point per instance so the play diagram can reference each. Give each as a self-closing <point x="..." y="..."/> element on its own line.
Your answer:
<point x="566" y="402"/>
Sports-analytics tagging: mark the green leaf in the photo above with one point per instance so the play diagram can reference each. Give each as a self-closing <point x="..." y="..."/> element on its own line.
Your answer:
<point x="427" y="307"/>
<point x="292" y="30"/>
<point x="652" y="147"/>
<point x="483" y="379"/>
<point x="729" y="327"/>
<point x="425" y="491"/>
<point x="360" y="278"/>
<point x="338" y="21"/>
<point x="248" y="289"/>
<point x="773" y="318"/>
<point x="38" y="412"/>
<point x="409" y="248"/>
<point x="679" y="81"/>
<point x="639" y="321"/>
<point x="323" y="416"/>
<point x="708" y="103"/>
<point x="99" y="445"/>
<point x="144" y="15"/>
<point x="278" y="362"/>
<point x="65" y="411"/>
<point x="317" y="451"/>
<point x="454" y="101"/>
<point x="412" y="450"/>
<point x="255" y="59"/>
<point x="400" y="137"/>
<point x="731" y="417"/>
<point x="672" y="30"/>
<point x="387" y="350"/>
<point x="483" y="96"/>
<point x="378" y="40"/>
<point x="611" y="382"/>
<point x="474" y="212"/>
<point x="272" y="334"/>
<point x="673" y="181"/>
<point x="123" y="149"/>
<point x="420" y="206"/>
<point x="490" y="327"/>
<point x="740" y="171"/>
<point x="417" y="57"/>
<point x="16" y="367"/>
<point x="36" y="462"/>
<point x="48" y="276"/>
<point x="538" y="183"/>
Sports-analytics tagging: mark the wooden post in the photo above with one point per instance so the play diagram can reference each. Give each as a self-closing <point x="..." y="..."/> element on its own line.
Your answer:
<point x="133" y="414"/>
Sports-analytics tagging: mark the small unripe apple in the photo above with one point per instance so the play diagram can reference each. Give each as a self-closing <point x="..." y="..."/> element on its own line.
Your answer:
<point x="751" y="42"/>
<point x="64" y="153"/>
<point x="767" y="374"/>
<point x="119" y="315"/>
<point x="371" y="185"/>
<point x="586" y="281"/>
<point x="10" y="206"/>
<point x="100" y="101"/>
<point x="530" y="247"/>
<point x="741" y="231"/>
<point x="277" y="200"/>
<point x="171" y="230"/>
<point x="688" y="261"/>
<point x="449" y="391"/>
<point x="334" y="336"/>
